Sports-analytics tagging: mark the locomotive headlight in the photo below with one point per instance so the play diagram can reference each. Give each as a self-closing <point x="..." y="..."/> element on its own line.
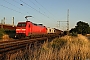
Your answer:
<point x="20" y="30"/>
<point x="17" y="29"/>
<point x="23" y="29"/>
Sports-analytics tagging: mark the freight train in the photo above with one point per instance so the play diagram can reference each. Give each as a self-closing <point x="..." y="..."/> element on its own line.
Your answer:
<point x="28" y="28"/>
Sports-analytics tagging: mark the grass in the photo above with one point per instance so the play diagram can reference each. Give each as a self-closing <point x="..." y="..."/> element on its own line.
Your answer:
<point x="64" y="48"/>
<point x="67" y="48"/>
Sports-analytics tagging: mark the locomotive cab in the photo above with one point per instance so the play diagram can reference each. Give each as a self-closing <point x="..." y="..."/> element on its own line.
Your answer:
<point x="22" y="29"/>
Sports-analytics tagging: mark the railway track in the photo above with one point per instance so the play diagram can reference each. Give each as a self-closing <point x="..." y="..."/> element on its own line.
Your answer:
<point x="12" y="46"/>
<point x="6" y="46"/>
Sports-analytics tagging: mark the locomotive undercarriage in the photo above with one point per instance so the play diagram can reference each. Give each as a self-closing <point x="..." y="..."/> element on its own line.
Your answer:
<point x="19" y="36"/>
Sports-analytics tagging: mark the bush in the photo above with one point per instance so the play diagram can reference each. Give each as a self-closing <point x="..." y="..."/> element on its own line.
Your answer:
<point x="74" y="34"/>
<point x="58" y="43"/>
<point x="11" y="33"/>
<point x="69" y="48"/>
<point x="1" y="32"/>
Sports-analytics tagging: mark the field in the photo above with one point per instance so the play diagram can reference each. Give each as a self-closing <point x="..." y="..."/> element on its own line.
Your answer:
<point x="64" y="48"/>
<point x="67" y="48"/>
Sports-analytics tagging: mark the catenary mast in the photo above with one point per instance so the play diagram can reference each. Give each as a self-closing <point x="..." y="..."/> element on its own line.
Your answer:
<point x="68" y="22"/>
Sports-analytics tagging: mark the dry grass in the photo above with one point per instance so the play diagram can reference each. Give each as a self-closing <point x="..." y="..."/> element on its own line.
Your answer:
<point x="64" y="48"/>
<point x="19" y="55"/>
<point x="67" y="48"/>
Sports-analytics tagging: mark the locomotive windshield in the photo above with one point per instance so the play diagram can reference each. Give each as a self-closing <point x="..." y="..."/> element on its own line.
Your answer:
<point x="21" y="24"/>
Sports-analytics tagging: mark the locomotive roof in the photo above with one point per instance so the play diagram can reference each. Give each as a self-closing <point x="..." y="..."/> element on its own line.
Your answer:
<point x="32" y="23"/>
<point x="21" y="22"/>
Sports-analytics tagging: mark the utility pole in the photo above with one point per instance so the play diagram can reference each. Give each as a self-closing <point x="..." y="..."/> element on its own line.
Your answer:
<point x="13" y="22"/>
<point x="2" y="24"/>
<point x="59" y="23"/>
<point x="4" y="20"/>
<point x="68" y="22"/>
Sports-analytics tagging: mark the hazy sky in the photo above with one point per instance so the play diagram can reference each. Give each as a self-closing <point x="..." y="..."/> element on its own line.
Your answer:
<point x="47" y="12"/>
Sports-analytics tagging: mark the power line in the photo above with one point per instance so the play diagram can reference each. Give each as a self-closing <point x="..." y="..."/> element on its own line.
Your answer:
<point x="66" y="21"/>
<point x="12" y="9"/>
<point x="43" y="7"/>
<point x="14" y="5"/>
<point x="34" y="9"/>
<point x="25" y="6"/>
<point x="59" y="23"/>
<point x="34" y="3"/>
<point x="11" y="4"/>
<point x="39" y="8"/>
<point x="19" y="8"/>
<point x="16" y="1"/>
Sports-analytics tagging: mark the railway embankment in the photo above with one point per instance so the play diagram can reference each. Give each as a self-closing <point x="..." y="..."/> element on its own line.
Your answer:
<point x="62" y="48"/>
<point x="67" y="48"/>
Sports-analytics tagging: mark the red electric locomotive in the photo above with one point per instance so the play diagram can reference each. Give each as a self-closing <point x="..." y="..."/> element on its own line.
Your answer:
<point x="28" y="28"/>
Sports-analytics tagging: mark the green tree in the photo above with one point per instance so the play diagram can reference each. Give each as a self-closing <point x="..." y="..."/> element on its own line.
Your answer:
<point x="1" y="32"/>
<point x="81" y="28"/>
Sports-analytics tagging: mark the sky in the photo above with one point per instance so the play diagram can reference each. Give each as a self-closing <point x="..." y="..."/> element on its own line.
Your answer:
<point x="47" y="12"/>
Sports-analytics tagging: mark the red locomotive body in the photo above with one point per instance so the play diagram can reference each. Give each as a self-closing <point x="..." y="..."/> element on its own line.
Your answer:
<point x="28" y="28"/>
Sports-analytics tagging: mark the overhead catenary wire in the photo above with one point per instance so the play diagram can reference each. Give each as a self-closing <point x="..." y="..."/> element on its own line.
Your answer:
<point x="45" y="9"/>
<point x="12" y="9"/>
<point x="20" y="8"/>
<point x="40" y="5"/>
<point x="27" y="8"/>
<point x="11" y="4"/>
<point x="30" y="7"/>
<point x="35" y="9"/>
<point x="14" y="5"/>
<point x="16" y="1"/>
<point x="34" y="3"/>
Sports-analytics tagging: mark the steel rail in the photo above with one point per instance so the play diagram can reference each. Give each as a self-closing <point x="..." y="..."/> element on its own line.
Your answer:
<point x="16" y="44"/>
